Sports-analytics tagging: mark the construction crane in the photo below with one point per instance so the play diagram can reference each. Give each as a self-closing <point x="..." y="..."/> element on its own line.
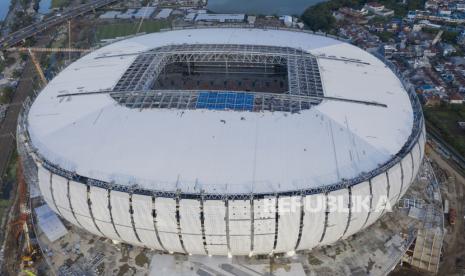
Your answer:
<point x="37" y="66"/>
<point x="142" y="19"/>
<point x="21" y="225"/>
<point x="31" y="50"/>
<point x="437" y="38"/>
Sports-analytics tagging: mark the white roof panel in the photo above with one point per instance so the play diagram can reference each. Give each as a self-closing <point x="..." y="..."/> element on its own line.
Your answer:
<point x="223" y="151"/>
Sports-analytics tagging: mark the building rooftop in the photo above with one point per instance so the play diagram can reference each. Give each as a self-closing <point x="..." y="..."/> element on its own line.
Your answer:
<point x="220" y="17"/>
<point x="49" y="223"/>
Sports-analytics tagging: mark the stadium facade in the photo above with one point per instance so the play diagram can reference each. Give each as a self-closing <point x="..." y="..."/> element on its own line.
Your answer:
<point x="196" y="140"/>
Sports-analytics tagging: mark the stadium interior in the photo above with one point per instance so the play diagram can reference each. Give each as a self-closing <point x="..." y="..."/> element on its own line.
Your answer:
<point x="224" y="75"/>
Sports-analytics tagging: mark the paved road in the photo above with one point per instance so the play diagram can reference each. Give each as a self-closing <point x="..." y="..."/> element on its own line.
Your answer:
<point x="59" y="18"/>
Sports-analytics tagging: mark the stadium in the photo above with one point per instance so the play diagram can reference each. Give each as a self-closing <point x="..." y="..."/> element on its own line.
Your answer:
<point x="196" y="140"/>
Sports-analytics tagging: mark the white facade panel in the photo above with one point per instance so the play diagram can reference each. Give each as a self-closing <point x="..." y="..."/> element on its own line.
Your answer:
<point x="143" y="220"/>
<point x="288" y="223"/>
<point x="217" y="246"/>
<point x="191" y="226"/>
<point x="395" y="184"/>
<point x="422" y="142"/>
<point x="408" y="173"/>
<point x="101" y="212"/>
<point x="360" y="207"/>
<point x="314" y="221"/>
<point x="338" y="215"/>
<point x="121" y="217"/>
<point x="78" y="192"/>
<point x="379" y="197"/>
<point x="240" y="224"/>
<point x="44" y="185"/>
<point x="60" y="193"/>
<point x="264" y="225"/>
<point x="166" y="223"/>
<point x="416" y="154"/>
<point x="215" y="227"/>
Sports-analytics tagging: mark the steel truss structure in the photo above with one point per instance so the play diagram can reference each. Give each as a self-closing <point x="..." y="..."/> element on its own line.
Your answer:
<point x="303" y="75"/>
<point x="188" y="99"/>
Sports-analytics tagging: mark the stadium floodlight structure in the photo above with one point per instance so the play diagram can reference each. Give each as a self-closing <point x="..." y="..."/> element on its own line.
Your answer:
<point x="199" y="141"/>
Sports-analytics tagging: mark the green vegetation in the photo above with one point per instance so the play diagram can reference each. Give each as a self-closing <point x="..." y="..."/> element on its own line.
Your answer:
<point x="10" y="61"/>
<point x="4" y="203"/>
<point x="9" y="180"/>
<point x="6" y="94"/>
<point x="123" y="29"/>
<point x="385" y="36"/>
<point x="59" y="3"/>
<point x="319" y="16"/>
<point x="21" y="19"/>
<point x="447" y="36"/>
<point x="401" y="10"/>
<point x="450" y="37"/>
<point x="16" y="73"/>
<point x="444" y="118"/>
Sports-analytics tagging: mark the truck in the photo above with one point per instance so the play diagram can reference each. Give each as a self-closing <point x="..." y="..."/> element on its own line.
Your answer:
<point x="452" y="216"/>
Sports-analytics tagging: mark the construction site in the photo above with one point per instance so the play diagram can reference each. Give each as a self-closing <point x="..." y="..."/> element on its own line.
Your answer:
<point x="412" y="236"/>
<point x="421" y="235"/>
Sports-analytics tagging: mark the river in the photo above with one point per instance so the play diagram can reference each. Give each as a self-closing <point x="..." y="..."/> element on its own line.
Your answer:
<point x="263" y="7"/>
<point x="4" y="7"/>
<point x="44" y="6"/>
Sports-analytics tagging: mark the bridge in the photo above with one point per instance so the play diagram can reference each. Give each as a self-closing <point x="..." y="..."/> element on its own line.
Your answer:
<point x="33" y="29"/>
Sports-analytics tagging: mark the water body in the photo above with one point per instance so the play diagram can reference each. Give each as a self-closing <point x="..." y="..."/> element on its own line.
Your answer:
<point x="4" y="7"/>
<point x="262" y="7"/>
<point x="44" y="6"/>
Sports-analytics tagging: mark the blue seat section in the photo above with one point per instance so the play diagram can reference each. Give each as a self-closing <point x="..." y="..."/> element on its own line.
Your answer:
<point x="239" y="101"/>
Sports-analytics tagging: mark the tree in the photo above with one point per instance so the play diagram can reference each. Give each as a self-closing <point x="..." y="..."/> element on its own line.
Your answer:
<point x="319" y="17"/>
<point x="16" y="74"/>
<point x="6" y="94"/>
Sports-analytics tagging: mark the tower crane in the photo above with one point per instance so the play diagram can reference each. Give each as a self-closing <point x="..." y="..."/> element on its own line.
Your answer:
<point x="31" y="50"/>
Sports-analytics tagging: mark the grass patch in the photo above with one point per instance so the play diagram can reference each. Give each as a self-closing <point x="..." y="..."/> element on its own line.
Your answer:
<point x="4" y="204"/>
<point x="59" y="3"/>
<point x="445" y="118"/>
<point x="312" y="260"/>
<point x="123" y="29"/>
<point x="9" y="180"/>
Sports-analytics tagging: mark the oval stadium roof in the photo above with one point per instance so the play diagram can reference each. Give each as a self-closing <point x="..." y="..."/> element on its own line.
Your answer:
<point x="220" y="150"/>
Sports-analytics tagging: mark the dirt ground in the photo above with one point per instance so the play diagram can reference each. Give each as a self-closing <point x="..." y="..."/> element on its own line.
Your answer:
<point x="453" y="262"/>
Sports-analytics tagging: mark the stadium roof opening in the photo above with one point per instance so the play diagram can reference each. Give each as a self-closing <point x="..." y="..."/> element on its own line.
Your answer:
<point x="185" y="75"/>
